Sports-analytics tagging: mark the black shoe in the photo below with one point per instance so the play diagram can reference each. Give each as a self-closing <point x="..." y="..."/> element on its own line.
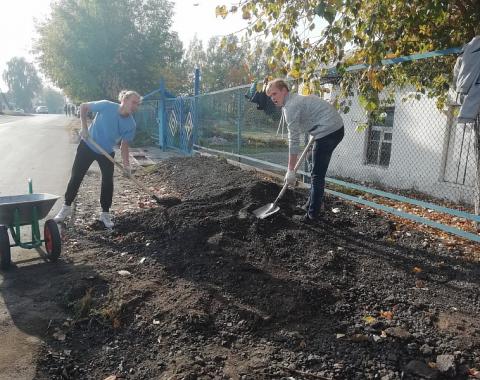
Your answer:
<point x="304" y="207"/>
<point x="305" y="218"/>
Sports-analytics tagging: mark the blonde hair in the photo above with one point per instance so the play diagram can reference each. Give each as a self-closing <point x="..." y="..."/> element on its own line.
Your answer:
<point x="125" y="94"/>
<point x="277" y="83"/>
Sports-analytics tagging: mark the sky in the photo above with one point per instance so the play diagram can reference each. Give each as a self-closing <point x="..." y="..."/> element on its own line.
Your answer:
<point x="191" y="17"/>
<point x="198" y="17"/>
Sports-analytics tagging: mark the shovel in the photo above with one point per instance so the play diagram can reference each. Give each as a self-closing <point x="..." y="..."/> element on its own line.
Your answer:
<point x="271" y="208"/>
<point x="161" y="201"/>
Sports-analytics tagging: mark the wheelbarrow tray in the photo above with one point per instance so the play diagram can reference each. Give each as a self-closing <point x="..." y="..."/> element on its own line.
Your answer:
<point x="25" y="205"/>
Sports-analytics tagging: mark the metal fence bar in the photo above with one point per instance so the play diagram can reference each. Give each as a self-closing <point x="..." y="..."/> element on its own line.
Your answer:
<point x="416" y="218"/>
<point x="402" y="59"/>
<point x="427" y="205"/>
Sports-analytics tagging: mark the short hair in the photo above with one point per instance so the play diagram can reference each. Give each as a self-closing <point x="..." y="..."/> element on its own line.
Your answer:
<point x="125" y="94"/>
<point x="278" y="83"/>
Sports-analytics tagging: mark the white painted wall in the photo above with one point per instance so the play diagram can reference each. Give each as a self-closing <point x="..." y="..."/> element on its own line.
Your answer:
<point x="418" y="156"/>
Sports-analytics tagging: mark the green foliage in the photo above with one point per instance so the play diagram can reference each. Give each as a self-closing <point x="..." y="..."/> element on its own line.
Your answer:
<point x="53" y="99"/>
<point x="376" y="30"/>
<point x="22" y="81"/>
<point x="227" y="62"/>
<point x="94" y="48"/>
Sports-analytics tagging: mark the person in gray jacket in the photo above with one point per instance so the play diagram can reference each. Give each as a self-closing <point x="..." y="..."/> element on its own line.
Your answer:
<point x="466" y="77"/>
<point x="308" y="114"/>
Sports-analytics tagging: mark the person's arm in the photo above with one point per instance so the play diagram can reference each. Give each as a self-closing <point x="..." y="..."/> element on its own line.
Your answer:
<point x="125" y="152"/>
<point x="292" y="118"/>
<point x="83" y="119"/>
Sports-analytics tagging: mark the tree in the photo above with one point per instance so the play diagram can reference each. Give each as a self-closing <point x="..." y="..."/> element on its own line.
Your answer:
<point x="258" y="56"/>
<point x="376" y="30"/>
<point x="94" y="48"/>
<point x="53" y="99"/>
<point x="22" y="81"/>
<point x="225" y="62"/>
<point x="195" y="57"/>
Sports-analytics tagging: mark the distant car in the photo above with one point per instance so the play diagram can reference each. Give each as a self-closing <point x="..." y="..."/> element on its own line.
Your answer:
<point x="41" y="109"/>
<point x="19" y="110"/>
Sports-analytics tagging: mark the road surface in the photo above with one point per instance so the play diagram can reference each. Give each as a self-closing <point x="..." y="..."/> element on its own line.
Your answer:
<point x="36" y="147"/>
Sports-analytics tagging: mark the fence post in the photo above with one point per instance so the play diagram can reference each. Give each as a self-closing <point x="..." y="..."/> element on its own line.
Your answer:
<point x="476" y="149"/>
<point x="196" y="86"/>
<point x="240" y="108"/>
<point x="162" y="117"/>
<point x="196" y="92"/>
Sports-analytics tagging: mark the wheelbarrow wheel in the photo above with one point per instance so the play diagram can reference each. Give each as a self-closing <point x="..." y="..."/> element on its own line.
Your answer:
<point x="5" y="256"/>
<point x="53" y="242"/>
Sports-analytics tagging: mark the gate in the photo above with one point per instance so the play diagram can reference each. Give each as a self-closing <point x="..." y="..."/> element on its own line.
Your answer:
<point x="180" y="123"/>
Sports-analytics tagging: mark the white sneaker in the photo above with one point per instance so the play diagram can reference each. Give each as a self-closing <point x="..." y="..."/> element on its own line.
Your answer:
<point x="106" y="219"/>
<point x="64" y="213"/>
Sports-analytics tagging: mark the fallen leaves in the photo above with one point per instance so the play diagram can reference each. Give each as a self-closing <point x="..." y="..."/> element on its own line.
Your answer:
<point x="387" y="315"/>
<point x="369" y="320"/>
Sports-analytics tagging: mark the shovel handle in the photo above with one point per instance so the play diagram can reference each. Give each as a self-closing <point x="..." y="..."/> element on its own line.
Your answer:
<point x="304" y="153"/>
<point x="297" y="165"/>
<point x="120" y="166"/>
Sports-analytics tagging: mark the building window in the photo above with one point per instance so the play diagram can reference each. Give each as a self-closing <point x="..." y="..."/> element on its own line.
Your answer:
<point x="379" y="142"/>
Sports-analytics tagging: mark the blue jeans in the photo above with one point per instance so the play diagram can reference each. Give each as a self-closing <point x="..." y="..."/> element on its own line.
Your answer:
<point x="321" y="155"/>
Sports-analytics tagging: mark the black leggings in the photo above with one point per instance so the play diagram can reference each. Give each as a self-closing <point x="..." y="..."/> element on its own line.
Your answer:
<point x="83" y="159"/>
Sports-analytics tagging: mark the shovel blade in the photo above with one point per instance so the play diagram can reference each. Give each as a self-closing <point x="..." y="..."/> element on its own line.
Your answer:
<point x="265" y="211"/>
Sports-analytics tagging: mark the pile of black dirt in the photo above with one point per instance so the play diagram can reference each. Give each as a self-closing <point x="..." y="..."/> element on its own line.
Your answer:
<point x="202" y="289"/>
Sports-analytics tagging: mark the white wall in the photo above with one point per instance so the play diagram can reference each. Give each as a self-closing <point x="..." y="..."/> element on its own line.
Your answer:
<point x="419" y="148"/>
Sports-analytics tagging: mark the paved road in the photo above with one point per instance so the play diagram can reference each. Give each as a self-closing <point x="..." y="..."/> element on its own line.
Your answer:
<point x="37" y="147"/>
<point x="34" y="147"/>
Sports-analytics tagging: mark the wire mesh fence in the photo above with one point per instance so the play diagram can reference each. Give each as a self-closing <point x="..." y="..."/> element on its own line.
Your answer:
<point x="411" y="145"/>
<point x="146" y="119"/>
<point x="408" y="146"/>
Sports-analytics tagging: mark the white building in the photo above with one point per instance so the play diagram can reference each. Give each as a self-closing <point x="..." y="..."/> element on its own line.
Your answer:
<point x="412" y="146"/>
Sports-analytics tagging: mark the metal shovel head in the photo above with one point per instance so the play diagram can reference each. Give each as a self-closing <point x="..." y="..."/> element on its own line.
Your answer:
<point x="265" y="211"/>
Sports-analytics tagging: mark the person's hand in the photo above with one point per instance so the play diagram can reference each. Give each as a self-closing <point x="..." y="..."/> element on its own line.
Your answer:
<point x="290" y="177"/>
<point x="83" y="133"/>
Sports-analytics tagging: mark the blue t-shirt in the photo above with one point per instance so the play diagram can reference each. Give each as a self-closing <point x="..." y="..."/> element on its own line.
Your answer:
<point x="109" y="127"/>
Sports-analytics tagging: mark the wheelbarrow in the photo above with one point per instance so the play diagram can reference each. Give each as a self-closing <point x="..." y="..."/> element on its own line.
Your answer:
<point x="28" y="209"/>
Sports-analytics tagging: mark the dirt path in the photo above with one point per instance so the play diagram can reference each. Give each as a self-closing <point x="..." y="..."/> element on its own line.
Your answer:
<point x="202" y="289"/>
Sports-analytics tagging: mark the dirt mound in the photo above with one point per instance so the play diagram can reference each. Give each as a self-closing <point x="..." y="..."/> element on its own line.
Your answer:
<point x="203" y="289"/>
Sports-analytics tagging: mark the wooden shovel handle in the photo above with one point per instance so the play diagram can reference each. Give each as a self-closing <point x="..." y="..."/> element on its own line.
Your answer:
<point x="120" y="166"/>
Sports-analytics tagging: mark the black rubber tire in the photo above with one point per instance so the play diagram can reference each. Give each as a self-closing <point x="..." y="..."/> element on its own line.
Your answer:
<point x="5" y="254"/>
<point x="53" y="241"/>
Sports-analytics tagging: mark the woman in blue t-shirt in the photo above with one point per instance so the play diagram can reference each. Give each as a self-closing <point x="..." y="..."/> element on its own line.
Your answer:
<point x="113" y="123"/>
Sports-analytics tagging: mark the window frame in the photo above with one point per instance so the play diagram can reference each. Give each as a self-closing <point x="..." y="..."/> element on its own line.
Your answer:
<point x="373" y="126"/>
